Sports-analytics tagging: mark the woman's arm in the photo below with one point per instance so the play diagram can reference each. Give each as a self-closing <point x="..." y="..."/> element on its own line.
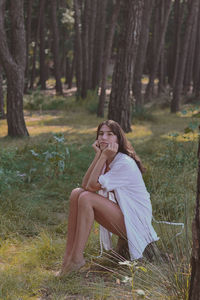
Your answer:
<point x="107" y="155"/>
<point x="93" y="185"/>
<point x="91" y="167"/>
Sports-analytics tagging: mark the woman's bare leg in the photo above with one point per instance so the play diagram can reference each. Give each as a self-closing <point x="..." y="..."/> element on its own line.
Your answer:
<point x="72" y="222"/>
<point x="93" y="207"/>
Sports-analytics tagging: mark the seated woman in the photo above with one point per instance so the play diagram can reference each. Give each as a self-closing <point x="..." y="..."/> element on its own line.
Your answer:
<point x="116" y="173"/>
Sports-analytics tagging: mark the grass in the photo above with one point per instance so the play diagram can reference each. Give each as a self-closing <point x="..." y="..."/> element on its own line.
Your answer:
<point x="36" y="177"/>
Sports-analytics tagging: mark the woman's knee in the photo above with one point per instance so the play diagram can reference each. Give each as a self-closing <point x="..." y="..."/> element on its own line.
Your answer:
<point x="84" y="198"/>
<point x="75" y="193"/>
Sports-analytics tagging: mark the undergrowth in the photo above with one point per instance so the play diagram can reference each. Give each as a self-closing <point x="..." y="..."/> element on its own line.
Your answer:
<point x="36" y="178"/>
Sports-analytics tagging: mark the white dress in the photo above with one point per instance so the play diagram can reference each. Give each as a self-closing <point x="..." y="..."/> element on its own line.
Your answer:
<point x="125" y="179"/>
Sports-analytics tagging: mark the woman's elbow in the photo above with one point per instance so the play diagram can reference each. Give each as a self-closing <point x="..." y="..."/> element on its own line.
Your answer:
<point x="92" y="188"/>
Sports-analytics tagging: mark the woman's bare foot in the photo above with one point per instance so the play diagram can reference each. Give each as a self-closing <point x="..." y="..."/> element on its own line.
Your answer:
<point x="71" y="266"/>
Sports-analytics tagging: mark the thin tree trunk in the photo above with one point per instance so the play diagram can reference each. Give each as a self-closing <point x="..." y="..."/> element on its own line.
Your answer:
<point x="106" y="58"/>
<point x="42" y="81"/>
<point x="67" y="70"/>
<point x="71" y="73"/>
<point x="28" y="37"/>
<point x="163" y="27"/>
<point x="63" y="47"/>
<point x="85" y="48"/>
<point x="78" y="47"/>
<point x="161" y="73"/>
<point x="196" y="71"/>
<point x="175" y="104"/>
<point x="2" y="113"/>
<point x="99" y="42"/>
<point x="119" y="105"/>
<point x="141" y="54"/>
<point x="14" y="66"/>
<point x="93" y="13"/>
<point x="55" y="46"/>
<point x="37" y="32"/>
<point x="194" y="293"/>
<point x="178" y="20"/>
<point x="190" y="58"/>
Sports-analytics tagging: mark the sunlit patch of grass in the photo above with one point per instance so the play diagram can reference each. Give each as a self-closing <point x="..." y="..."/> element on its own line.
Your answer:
<point x="181" y="137"/>
<point x="3" y="128"/>
<point x="145" y="80"/>
<point x="33" y="131"/>
<point x="189" y="111"/>
<point x="139" y="131"/>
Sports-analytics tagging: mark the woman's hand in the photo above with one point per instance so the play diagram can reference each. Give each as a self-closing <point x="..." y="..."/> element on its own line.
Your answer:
<point x="110" y="151"/>
<point x="96" y="148"/>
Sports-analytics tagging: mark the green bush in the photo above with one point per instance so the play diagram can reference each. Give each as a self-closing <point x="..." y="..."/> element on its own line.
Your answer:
<point x="91" y="102"/>
<point x="37" y="100"/>
<point x="142" y="115"/>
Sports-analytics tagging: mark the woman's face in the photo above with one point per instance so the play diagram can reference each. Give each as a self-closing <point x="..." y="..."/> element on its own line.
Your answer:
<point x="105" y="137"/>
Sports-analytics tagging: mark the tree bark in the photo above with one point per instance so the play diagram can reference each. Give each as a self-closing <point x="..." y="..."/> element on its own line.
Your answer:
<point x="106" y="57"/>
<point x="55" y="46"/>
<point x="141" y="54"/>
<point x="175" y="103"/>
<point x="194" y="293"/>
<point x="14" y="67"/>
<point x="120" y="105"/>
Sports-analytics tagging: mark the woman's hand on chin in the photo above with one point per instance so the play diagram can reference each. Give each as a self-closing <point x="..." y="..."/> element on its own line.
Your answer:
<point x="110" y="151"/>
<point x="96" y="147"/>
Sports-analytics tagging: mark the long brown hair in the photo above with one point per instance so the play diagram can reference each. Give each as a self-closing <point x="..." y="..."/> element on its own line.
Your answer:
<point x="124" y="145"/>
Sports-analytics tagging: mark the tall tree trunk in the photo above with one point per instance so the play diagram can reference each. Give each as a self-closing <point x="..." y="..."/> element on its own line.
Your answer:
<point x="194" y="293"/>
<point x="42" y="81"/>
<point x="106" y="58"/>
<point x="190" y="58"/>
<point x="55" y="46"/>
<point x="14" y="66"/>
<point x="141" y="53"/>
<point x="70" y="73"/>
<point x="161" y="73"/>
<point x="65" y="65"/>
<point x="37" y="32"/>
<point x="175" y="104"/>
<point x="85" y="48"/>
<point x="67" y="70"/>
<point x="99" y="42"/>
<point x="196" y="71"/>
<point x="166" y="5"/>
<point x="119" y="105"/>
<point x="179" y="9"/>
<point x="78" y="47"/>
<point x="28" y="37"/>
<point x="93" y="13"/>
<point x="2" y="113"/>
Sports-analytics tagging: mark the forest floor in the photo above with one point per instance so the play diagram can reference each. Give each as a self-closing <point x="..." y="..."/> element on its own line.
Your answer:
<point x="37" y="175"/>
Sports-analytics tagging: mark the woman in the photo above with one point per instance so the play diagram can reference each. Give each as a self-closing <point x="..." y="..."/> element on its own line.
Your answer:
<point x="115" y="173"/>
